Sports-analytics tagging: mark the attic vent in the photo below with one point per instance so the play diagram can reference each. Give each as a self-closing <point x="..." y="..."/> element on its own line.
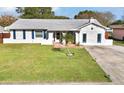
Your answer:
<point x="91" y="28"/>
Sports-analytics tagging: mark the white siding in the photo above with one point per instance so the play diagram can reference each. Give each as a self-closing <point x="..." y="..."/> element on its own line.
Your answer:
<point x="92" y="36"/>
<point x="49" y="41"/>
<point x="77" y="41"/>
<point x="19" y="38"/>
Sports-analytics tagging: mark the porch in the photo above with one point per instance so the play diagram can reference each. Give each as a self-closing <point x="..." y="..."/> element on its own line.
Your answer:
<point x="59" y="37"/>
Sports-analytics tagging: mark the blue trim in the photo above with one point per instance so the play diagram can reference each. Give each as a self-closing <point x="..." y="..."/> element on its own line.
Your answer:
<point x="46" y="36"/>
<point x="24" y="34"/>
<point x="14" y="34"/>
<point x="32" y="34"/>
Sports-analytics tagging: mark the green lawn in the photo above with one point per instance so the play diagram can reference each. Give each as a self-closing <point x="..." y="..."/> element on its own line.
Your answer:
<point x="119" y="43"/>
<point x="36" y="63"/>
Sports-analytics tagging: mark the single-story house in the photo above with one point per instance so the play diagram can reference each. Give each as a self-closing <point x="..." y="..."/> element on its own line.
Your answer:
<point x="118" y="31"/>
<point x="48" y="31"/>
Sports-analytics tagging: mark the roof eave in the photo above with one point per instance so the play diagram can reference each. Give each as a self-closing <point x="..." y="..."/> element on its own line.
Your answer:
<point x="44" y="29"/>
<point x="106" y="28"/>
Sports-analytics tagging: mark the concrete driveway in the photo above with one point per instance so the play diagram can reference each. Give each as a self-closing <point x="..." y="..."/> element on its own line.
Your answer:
<point x="111" y="60"/>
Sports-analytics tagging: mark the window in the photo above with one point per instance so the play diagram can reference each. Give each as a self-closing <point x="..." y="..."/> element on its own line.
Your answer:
<point x="45" y="34"/>
<point x="98" y="38"/>
<point x="57" y="35"/>
<point x="38" y="34"/>
<point x="24" y="34"/>
<point x="14" y="34"/>
<point x="32" y="34"/>
<point x="84" y="38"/>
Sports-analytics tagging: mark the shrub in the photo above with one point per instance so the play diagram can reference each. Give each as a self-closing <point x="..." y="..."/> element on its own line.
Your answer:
<point x="69" y="37"/>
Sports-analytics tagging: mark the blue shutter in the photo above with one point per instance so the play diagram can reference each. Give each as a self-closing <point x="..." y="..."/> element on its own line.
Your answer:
<point x="24" y="34"/>
<point x="14" y="34"/>
<point x="47" y="35"/>
<point x="32" y="34"/>
<point x="44" y="34"/>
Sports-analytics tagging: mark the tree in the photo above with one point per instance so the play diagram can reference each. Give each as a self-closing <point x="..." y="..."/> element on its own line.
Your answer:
<point x="85" y="14"/>
<point x="35" y="12"/>
<point x="6" y="20"/>
<point x="60" y="17"/>
<point x="117" y="22"/>
<point x="38" y="12"/>
<point x="122" y="18"/>
<point x="105" y="18"/>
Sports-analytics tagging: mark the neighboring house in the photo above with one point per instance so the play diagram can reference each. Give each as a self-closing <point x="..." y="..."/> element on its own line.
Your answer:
<point x="48" y="31"/>
<point x="3" y="34"/>
<point x="118" y="31"/>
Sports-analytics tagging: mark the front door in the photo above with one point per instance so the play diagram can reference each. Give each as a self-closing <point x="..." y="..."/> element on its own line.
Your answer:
<point x="57" y="37"/>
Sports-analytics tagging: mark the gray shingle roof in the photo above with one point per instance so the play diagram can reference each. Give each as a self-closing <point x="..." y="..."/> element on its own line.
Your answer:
<point x="51" y="24"/>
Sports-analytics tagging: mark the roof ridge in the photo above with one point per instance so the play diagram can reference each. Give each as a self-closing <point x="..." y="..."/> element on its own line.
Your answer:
<point x="53" y="19"/>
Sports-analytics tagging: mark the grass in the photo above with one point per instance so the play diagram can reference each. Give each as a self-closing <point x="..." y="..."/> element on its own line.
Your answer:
<point x="36" y="63"/>
<point x="119" y="43"/>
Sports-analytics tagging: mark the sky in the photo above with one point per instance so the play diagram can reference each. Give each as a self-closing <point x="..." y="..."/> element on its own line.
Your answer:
<point x="71" y="11"/>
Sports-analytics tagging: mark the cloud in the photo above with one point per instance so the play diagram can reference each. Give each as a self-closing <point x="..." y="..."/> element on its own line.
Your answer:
<point x="4" y="9"/>
<point x="7" y="10"/>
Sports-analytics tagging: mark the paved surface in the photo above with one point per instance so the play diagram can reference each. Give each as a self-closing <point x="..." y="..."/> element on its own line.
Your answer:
<point x="111" y="60"/>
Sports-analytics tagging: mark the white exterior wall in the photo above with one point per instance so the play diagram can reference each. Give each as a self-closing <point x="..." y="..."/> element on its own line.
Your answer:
<point x="77" y="34"/>
<point x="49" y="41"/>
<point x="92" y="36"/>
<point x="19" y="38"/>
